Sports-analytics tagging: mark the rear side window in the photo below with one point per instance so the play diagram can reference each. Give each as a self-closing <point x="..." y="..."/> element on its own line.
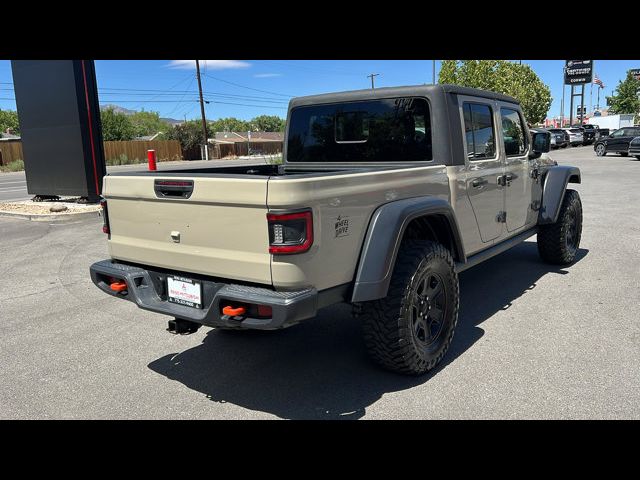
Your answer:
<point x="479" y="131"/>
<point x="385" y="130"/>
<point x="515" y="141"/>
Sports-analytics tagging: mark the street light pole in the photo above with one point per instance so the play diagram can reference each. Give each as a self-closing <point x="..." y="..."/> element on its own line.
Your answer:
<point x="434" y="72"/>
<point x="204" y="121"/>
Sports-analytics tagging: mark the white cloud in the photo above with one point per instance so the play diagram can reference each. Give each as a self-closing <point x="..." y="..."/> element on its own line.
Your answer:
<point x="267" y="75"/>
<point x="209" y="64"/>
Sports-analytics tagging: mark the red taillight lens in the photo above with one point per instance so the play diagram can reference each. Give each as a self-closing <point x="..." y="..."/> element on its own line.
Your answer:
<point x="105" y="217"/>
<point x="290" y="232"/>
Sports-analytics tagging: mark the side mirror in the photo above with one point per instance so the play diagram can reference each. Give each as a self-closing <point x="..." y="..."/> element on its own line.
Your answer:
<point x="540" y="143"/>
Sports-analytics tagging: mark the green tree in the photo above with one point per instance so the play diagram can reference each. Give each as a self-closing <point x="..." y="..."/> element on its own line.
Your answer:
<point x="518" y="81"/>
<point x="147" y="123"/>
<point x="9" y="119"/>
<point x="115" y="126"/>
<point x="229" y="124"/>
<point x="268" y="123"/>
<point x="626" y="97"/>
<point x="189" y="134"/>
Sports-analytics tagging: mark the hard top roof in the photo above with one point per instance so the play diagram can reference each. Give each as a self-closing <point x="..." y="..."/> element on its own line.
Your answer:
<point x="386" y="92"/>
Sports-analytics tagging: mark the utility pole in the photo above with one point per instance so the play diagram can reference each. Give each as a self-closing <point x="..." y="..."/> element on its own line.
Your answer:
<point x="433" y="65"/>
<point x="204" y="120"/>
<point x="372" y="76"/>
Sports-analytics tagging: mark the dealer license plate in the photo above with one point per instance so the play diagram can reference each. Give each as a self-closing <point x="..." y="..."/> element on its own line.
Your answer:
<point x="184" y="291"/>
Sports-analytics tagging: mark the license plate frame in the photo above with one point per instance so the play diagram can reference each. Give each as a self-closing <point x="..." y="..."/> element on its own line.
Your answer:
<point x="184" y="291"/>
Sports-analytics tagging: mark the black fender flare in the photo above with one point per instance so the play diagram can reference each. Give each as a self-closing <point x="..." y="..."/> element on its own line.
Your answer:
<point x="555" y="184"/>
<point x="382" y="241"/>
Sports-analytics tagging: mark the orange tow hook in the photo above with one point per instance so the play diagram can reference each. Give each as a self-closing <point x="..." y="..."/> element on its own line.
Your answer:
<point x="233" y="312"/>
<point x="118" y="286"/>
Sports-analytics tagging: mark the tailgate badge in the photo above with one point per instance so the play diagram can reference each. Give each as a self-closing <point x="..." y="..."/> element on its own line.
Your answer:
<point x="175" y="236"/>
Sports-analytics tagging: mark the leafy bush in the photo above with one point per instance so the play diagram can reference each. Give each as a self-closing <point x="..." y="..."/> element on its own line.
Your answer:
<point x="15" y="166"/>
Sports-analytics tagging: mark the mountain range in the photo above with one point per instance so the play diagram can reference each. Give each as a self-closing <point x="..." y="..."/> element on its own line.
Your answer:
<point x="126" y="111"/>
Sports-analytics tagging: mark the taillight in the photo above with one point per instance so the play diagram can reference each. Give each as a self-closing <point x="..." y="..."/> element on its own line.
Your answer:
<point x="105" y="217"/>
<point x="290" y="232"/>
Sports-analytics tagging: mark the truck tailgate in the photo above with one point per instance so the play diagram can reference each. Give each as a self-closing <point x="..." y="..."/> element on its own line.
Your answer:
<point x="219" y="230"/>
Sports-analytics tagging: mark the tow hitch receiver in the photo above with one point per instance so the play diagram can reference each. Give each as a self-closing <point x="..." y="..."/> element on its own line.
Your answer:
<point x="179" y="326"/>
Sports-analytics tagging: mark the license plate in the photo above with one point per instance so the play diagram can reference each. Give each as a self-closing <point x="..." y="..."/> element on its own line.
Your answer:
<point x="184" y="291"/>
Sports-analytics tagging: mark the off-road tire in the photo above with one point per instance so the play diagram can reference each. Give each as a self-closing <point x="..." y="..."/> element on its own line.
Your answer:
<point x="390" y="325"/>
<point x="558" y="242"/>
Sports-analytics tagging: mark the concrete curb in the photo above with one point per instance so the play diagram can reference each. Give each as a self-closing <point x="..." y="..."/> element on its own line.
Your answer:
<point x="59" y="217"/>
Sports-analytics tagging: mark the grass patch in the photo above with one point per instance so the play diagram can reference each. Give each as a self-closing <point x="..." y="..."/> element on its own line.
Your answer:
<point x="15" y="166"/>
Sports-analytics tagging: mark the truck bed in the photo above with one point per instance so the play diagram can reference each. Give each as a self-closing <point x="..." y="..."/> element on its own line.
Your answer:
<point x="220" y="229"/>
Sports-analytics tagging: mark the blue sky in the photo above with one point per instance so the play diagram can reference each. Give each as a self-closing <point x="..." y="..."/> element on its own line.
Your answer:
<point x="247" y="88"/>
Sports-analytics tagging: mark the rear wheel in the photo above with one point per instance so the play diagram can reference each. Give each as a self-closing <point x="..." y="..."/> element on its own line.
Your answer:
<point x="410" y="330"/>
<point x="624" y="154"/>
<point x="638" y="157"/>
<point x="558" y="242"/>
<point x="601" y="150"/>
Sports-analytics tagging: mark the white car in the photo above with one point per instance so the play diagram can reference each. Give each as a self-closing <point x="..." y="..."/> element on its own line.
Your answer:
<point x="576" y="136"/>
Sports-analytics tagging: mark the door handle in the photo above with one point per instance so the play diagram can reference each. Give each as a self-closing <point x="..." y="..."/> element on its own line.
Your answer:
<point x="505" y="180"/>
<point x="479" y="182"/>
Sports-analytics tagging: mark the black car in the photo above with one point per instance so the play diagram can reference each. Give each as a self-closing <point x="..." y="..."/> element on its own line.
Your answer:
<point x="559" y="138"/>
<point x="617" y="142"/>
<point x="590" y="134"/>
<point x="634" y="147"/>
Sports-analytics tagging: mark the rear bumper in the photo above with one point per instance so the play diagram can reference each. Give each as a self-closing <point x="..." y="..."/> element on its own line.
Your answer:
<point x="147" y="289"/>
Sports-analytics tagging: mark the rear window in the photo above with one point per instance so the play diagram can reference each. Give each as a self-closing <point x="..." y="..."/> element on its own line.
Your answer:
<point x="575" y="130"/>
<point x="385" y="130"/>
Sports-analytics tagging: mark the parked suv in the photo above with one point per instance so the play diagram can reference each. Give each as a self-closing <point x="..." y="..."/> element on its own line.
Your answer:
<point x="576" y="137"/>
<point x="559" y="138"/>
<point x="617" y="142"/>
<point x="634" y="147"/>
<point x="590" y="132"/>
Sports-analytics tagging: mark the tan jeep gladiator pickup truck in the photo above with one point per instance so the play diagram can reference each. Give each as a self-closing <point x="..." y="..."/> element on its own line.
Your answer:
<point x="384" y="197"/>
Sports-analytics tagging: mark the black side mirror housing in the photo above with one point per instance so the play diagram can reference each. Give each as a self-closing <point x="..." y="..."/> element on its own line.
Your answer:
<point x="540" y="143"/>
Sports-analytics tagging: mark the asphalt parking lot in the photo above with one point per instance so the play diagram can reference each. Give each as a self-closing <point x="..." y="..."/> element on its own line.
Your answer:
<point x="533" y="341"/>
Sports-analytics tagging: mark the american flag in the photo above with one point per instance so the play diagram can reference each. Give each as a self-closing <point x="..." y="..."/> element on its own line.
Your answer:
<point x="597" y="81"/>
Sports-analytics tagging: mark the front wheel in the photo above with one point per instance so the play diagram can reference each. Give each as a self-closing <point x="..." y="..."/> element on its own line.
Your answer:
<point x="410" y="330"/>
<point x="624" y="154"/>
<point x="601" y="150"/>
<point x="638" y="157"/>
<point x="558" y="242"/>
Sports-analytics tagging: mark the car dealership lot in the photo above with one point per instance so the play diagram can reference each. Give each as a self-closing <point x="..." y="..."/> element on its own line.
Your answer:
<point x="533" y="340"/>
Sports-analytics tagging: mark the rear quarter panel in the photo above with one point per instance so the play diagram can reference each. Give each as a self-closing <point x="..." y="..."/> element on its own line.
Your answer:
<point x="342" y="207"/>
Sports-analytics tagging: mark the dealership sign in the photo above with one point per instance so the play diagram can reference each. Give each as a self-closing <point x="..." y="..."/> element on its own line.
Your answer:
<point x="578" y="72"/>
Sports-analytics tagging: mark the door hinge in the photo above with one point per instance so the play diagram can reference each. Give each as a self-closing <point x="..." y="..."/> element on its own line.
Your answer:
<point x="501" y="217"/>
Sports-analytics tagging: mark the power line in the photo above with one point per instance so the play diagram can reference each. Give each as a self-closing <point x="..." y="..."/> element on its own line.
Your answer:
<point x="188" y="87"/>
<point x="248" y="88"/>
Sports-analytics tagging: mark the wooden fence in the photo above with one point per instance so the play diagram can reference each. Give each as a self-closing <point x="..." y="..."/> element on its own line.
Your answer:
<point x="166" y="150"/>
<point x="10" y="150"/>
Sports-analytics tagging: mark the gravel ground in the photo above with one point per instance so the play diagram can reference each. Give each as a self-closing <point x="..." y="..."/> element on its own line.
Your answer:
<point x="44" y="208"/>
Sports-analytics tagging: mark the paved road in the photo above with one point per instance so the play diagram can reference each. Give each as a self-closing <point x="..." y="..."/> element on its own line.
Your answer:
<point x="13" y="186"/>
<point x="533" y="341"/>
